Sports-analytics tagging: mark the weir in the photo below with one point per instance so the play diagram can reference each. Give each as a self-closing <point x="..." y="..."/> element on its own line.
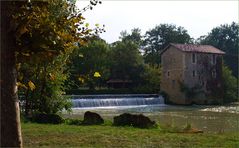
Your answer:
<point x="83" y="101"/>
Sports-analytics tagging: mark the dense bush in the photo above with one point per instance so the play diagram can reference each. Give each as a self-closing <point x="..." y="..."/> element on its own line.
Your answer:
<point x="47" y="118"/>
<point x="73" y="121"/>
<point x="44" y="93"/>
<point x="230" y="85"/>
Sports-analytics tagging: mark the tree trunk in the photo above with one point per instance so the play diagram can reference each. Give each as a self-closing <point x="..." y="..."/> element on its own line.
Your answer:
<point x="10" y="113"/>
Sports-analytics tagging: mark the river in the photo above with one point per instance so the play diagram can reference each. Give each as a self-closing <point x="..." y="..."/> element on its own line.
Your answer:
<point x="216" y="119"/>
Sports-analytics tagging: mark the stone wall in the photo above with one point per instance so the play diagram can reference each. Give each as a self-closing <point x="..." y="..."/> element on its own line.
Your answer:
<point x="202" y="77"/>
<point x="172" y="72"/>
<point x="205" y="75"/>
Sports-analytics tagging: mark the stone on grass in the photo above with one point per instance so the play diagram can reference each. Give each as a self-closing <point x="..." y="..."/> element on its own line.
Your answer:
<point x="140" y="121"/>
<point x="91" y="118"/>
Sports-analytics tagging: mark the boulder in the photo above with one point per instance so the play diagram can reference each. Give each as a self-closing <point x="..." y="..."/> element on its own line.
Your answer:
<point x="140" y="121"/>
<point x="91" y="118"/>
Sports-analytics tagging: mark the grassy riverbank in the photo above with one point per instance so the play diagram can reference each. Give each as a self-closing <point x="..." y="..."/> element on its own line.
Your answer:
<point x="46" y="135"/>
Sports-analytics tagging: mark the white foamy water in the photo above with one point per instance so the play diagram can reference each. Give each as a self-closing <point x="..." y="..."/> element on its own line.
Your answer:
<point x="115" y="101"/>
<point x="227" y="109"/>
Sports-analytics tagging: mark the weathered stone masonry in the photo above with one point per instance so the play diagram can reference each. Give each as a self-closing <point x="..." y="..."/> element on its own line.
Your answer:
<point x="192" y="74"/>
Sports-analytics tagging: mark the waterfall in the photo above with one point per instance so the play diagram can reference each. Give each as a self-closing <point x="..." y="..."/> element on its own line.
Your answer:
<point x="115" y="100"/>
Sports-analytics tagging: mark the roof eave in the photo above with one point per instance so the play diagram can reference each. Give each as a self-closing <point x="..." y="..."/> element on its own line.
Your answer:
<point x="165" y="49"/>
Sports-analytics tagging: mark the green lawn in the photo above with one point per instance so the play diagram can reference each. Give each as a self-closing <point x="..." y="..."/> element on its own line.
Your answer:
<point x="46" y="135"/>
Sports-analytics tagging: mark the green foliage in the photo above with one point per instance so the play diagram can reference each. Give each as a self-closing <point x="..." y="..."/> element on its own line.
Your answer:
<point x="225" y="37"/>
<point x="134" y="37"/>
<point x="48" y="79"/>
<point x="190" y="92"/>
<point x="46" y="34"/>
<point x="150" y="78"/>
<point x="230" y="85"/>
<point x="121" y="60"/>
<point x="70" y="121"/>
<point x="88" y="60"/>
<point x="159" y="37"/>
<point x="126" y="61"/>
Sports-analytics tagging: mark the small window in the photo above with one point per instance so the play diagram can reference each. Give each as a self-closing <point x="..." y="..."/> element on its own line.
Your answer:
<point x="214" y="59"/>
<point x="194" y="73"/>
<point x="168" y="74"/>
<point x="173" y="83"/>
<point x="214" y="74"/>
<point x="194" y="58"/>
<point x="202" y="82"/>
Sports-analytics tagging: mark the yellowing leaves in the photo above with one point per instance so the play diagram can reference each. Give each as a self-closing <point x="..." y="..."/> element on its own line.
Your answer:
<point x="52" y="77"/>
<point x="26" y="54"/>
<point x="18" y="66"/>
<point x="76" y="20"/>
<point x="19" y="84"/>
<point x="31" y="85"/>
<point x="97" y="74"/>
<point x="21" y="30"/>
<point x="82" y="42"/>
<point x="82" y="80"/>
<point x="81" y="55"/>
<point x="87" y="25"/>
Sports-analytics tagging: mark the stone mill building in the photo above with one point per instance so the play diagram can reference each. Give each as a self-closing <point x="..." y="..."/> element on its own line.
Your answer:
<point x="192" y="74"/>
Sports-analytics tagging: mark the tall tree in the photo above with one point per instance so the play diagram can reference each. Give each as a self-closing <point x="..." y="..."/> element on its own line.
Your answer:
<point x="40" y="31"/>
<point x="126" y="61"/>
<point x="135" y="36"/>
<point x="10" y="116"/>
<point x="88" y="59"/>
<point x="159" y="37"/>
<point x="225" y="37"/>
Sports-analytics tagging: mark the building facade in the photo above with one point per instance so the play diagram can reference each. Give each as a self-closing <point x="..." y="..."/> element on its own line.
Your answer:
<point x="192" y="74"/>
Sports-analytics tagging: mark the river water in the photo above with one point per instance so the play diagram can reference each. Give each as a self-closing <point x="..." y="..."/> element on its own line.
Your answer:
<point x="216" y="119"/>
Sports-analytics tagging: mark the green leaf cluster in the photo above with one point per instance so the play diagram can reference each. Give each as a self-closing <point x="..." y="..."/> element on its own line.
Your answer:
<point x="87" y="61"/>
<point x="120" y="61"/>
<point x="225" y="37"/>
<point x="230" y="85"/>
<point x="46" y="33"/>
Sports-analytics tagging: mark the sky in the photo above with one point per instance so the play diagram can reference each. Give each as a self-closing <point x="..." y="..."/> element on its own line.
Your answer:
<point x="197" y="17"/>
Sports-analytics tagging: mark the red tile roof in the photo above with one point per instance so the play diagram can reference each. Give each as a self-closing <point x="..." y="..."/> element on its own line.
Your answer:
<point x="197" y="48"/>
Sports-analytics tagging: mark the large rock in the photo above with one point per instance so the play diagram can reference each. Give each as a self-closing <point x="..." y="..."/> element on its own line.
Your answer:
<point x="91" y="118"/>
<point x="140" y="121"/>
